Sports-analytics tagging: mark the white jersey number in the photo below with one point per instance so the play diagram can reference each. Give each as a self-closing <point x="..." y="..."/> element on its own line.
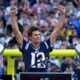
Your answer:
<point x="40" y="61"/>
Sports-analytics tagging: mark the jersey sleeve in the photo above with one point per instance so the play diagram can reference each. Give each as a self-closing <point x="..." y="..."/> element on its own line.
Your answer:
<point x="48" y="44"/>
<point x="22" y="46"/>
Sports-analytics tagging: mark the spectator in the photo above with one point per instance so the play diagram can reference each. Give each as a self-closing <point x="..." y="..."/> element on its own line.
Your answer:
<point x="54" y="65"/>
<point x="21" y="67"/>
<point x="23" y="18"/>
<point x="2" y="69"/>
<point x="78" y="71"/>
<point x="68" y="61"/>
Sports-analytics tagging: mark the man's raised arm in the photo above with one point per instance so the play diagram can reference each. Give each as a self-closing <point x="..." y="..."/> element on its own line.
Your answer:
<point x="15" y="28"/>
<point x="58" y="26"/>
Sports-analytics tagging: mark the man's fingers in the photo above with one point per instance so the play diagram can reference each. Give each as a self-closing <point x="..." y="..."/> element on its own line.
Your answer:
<point x="63" y="9"/>
<point x="13" y="9"/>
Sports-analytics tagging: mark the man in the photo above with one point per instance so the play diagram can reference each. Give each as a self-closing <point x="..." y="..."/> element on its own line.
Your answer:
<point x="35" y="52"/>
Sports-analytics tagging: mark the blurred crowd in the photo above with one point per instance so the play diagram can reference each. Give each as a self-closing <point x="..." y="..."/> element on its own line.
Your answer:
<point x="44" y="14"/>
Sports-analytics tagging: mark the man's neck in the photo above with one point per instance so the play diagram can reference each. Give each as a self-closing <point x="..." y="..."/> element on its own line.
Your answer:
<point x="35" y="45"/>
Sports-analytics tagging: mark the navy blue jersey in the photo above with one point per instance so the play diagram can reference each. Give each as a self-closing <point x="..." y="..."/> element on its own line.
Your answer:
<point x="35" y="58"/>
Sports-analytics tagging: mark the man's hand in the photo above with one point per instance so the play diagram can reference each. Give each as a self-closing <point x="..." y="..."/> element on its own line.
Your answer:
<point x="63" y="10"/>
<point x="13" y="11"/>
<point x="62" y="16"/>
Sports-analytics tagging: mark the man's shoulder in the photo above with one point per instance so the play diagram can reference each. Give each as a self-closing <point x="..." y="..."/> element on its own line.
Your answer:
<point x="46" y="43"/>
<point x="26" y="43"/>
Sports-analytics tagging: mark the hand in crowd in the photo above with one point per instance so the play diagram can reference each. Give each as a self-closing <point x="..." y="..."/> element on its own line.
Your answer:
<point x="12" y="11"/>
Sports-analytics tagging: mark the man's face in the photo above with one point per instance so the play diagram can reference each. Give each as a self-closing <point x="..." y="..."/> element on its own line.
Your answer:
<point x="36" y="37"/>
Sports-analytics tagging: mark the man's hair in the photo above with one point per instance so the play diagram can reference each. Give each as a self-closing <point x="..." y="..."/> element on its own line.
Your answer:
<point x="32" y="29"/>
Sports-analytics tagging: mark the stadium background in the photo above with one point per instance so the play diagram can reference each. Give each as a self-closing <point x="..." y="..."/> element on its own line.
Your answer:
<point x="44" y="14"/>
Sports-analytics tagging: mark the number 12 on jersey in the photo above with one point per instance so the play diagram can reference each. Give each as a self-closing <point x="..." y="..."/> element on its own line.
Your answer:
<point x="38" y="60"/>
